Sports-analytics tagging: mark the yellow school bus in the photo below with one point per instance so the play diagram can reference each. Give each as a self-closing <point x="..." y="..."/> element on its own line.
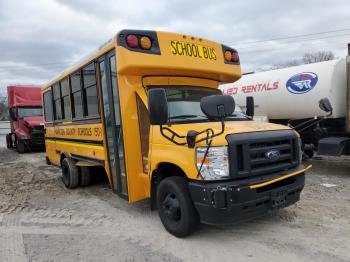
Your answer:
<point x="145" y="109"/>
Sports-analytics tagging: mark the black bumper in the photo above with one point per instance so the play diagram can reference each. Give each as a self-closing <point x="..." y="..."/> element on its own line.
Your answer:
<point x="220" y="203"/>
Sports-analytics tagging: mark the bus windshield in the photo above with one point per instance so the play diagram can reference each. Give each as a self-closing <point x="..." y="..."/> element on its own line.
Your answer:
<point x="184" y="104"/>
<point x="30" y="111"/>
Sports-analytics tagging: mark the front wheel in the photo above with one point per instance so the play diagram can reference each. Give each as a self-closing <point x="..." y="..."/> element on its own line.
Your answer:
<point x="175" y="207"/>
<point x="8" y="141"/>
<point x="21" y="146"/>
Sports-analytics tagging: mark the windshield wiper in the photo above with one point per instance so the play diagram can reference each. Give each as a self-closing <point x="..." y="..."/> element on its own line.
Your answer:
<point x="185" y="116"/>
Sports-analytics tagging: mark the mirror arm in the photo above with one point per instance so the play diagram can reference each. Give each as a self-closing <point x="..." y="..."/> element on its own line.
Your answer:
<point x="312" y="121"/>
<point x="301" y="124"/>
<point x="316" y="122"/>
<point x="212" y="135"/>
<point x="330" y="113"/>
<point x="173" y="135"/>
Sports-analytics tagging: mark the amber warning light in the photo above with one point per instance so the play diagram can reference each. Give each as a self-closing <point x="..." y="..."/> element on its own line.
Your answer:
<point x="134" y="41"/>
<point x="142" y="41"/>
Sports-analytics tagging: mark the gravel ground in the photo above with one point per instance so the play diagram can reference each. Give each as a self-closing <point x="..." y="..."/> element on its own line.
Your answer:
<point x="40" y="220"/>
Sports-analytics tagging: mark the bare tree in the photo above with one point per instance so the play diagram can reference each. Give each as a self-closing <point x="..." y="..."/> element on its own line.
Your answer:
<point x="314" y="57"/>
<point x="307" y="58"/>
<point x="290" y="63"/>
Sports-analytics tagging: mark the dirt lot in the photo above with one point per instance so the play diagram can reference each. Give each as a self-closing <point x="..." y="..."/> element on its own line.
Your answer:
<point x="40" y="220"/>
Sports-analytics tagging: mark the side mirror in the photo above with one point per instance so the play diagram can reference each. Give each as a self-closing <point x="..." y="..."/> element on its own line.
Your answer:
<point x="325" y="105"/>
<point x="157" y="106"/>
<point x="218" y="107"/>
<point x="250" y="106"/>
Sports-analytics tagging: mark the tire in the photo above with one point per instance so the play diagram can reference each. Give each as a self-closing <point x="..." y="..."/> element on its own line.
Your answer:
<point x="48" y="162"/>
<point x="10" y="141"/>
<point x="85" y="176"/>
<point x="21" y="146"/>
<point x="70" y="174"/>
<point x="8" y="144"/>
<point x="175" y="207"/>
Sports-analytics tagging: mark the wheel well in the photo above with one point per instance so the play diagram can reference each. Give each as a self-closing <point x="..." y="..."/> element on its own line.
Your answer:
<point x="63" y="156"/>
<point x="163" y="170"/>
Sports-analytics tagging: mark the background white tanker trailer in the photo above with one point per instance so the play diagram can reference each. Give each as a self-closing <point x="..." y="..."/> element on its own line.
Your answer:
<point x="291" y="96"/>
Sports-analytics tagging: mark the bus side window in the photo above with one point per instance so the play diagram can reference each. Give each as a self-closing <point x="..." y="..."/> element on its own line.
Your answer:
<point x="57" y="101"/>
<point x="66" y="113"/>
<point x="144" y="125"/>
<point x="48" y="110"/>
<point x="90" y="90"/>
<point x="77" y="104"/>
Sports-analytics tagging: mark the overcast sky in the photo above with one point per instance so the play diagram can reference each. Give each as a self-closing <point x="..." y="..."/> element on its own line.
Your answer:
<point x="41" y="38"/>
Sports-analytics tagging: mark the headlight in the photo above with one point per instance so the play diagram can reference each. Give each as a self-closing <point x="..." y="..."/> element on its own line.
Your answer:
<point x="215" y="165"/>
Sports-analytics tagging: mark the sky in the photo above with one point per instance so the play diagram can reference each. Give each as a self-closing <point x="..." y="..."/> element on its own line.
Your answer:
<point x="41" y="38"/>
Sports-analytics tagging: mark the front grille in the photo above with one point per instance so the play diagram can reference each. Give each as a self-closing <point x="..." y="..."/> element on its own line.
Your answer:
<point x="249" y="153"/>
<point x="37" y="135"/>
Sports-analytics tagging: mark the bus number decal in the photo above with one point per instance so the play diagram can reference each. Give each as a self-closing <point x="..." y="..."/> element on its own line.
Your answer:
<point x="193" y="50"/>
<point x="98" y="131"/>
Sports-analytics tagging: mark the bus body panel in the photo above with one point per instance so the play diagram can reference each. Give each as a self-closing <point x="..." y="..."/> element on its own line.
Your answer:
<point x="168" y="63"/>
<point x="138" y="181"/>
<point x="78" y="139"/>
<point x="182" y="61"/>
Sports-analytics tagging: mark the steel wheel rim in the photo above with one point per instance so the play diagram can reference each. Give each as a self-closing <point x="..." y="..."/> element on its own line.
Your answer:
<point x="171" y="207"/>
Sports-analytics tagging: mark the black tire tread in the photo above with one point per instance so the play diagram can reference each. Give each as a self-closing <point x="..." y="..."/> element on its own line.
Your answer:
<point x="20" y="147"/>
<point x="190" y="218"/>
<point x="73" y="173"/>
<point x="8" y="141"/>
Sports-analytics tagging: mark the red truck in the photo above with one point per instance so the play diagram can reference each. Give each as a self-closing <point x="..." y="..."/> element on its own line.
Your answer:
<point x="26" y="116"/>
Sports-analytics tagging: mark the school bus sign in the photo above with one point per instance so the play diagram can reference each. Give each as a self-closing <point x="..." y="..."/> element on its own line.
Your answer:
<point x="192" y="50"/>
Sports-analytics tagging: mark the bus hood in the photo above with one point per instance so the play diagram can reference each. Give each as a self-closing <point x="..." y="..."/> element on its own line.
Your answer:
<point x="33" y="121"/>
<point x="231" y="127"/>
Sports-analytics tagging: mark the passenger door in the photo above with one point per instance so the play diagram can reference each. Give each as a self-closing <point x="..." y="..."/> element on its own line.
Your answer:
<point x="112" y="123"/>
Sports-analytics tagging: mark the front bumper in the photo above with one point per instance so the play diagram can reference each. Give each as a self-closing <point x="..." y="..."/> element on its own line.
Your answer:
<point x="227" y="202"/>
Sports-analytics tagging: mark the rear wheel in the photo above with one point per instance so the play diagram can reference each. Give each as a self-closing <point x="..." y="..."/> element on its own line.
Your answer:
<point x="21" y="146"/>
<point x="85" y="176"/>
<point x="175" y="207"/>
<point x="70" y="174"/>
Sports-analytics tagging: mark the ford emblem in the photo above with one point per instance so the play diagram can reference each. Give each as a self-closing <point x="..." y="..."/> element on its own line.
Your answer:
<point x="273" y="154"/>
<point x="302" y="83"/>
